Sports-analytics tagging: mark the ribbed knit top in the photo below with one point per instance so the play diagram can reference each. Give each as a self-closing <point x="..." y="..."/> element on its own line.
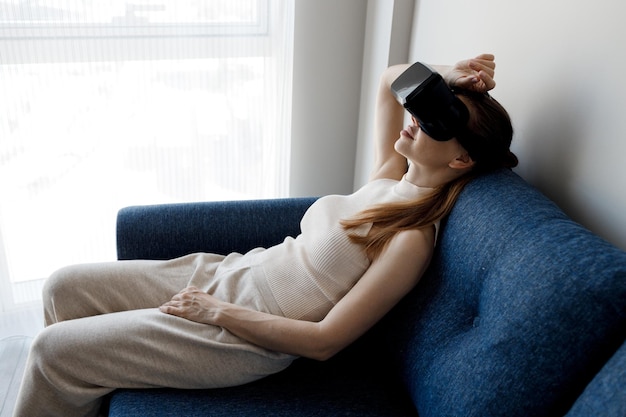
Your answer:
<point x="308" y="275"/>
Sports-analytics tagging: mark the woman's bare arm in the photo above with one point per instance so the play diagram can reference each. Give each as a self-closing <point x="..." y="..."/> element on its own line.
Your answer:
<point x="393" y="274"/>
<point x="388" y="122"/>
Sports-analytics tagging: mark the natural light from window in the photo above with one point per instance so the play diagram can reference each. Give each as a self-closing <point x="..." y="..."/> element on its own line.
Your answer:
<point x="89" y="124"/>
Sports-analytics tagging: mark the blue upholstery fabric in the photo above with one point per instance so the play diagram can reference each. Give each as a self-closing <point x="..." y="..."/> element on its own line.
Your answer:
<point x="171" y="230"/>
<point x="347" y="385"/>
<point x="519" y="311"/>
<point x="606" y="395"/>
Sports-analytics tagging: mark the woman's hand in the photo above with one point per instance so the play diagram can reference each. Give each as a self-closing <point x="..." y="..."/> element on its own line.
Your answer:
<point x="474" y="74"/>
<point x="193" y="304"/>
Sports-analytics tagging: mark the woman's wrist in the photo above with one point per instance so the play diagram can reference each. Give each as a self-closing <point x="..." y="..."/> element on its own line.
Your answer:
<point x="219" y="314"/>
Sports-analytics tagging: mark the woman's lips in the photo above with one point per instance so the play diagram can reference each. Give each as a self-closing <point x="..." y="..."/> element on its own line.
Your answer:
<point x="408" y="132"/>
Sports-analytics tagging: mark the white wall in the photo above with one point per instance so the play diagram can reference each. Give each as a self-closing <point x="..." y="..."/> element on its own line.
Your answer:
<point x="340" y="49"/>
<point x="561" y="74"/>
<point x="387" y="42"/>
<point x="328" y="61"/>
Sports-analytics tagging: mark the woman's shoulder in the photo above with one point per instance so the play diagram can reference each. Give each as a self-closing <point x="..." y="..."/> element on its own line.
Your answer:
<point x="417" y="237"/>
<point x="408" y="250"/>
<point x="420" y="240"/>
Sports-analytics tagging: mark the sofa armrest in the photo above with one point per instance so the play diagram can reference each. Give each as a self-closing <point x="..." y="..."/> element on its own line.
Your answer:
<point x="168" y="231"/>
<point x="605" y="395"/>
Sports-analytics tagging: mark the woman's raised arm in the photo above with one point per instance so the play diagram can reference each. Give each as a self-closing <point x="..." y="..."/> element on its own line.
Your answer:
<point x="388" y="122"/>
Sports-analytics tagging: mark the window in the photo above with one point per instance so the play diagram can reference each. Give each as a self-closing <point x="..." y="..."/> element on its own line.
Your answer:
<point x="110" y="104"/>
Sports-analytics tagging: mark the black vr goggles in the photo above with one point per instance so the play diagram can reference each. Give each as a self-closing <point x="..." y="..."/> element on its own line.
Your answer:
<point x="425" y="95"/>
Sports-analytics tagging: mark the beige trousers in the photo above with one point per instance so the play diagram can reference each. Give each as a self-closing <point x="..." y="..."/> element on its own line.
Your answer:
<point x="104" y="331"/>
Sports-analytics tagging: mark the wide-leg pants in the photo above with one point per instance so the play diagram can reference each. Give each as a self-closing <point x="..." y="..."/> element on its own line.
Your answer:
<point x="104" y="331"/>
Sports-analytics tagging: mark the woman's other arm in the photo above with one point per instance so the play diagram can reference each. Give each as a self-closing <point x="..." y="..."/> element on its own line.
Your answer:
<point x="391" y="276"/>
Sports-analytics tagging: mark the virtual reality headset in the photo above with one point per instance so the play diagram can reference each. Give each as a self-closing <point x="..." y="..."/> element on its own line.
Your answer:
<point x="425" y="95"/>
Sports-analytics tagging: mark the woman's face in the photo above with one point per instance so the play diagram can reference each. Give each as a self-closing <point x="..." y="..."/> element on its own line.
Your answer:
<point x="421" y="149"/>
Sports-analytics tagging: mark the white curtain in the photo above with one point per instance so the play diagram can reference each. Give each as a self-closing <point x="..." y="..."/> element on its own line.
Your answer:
<point x="123" y="102"/>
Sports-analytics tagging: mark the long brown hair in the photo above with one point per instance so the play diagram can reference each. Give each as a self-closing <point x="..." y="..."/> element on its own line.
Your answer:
<point x="486" y="138"/>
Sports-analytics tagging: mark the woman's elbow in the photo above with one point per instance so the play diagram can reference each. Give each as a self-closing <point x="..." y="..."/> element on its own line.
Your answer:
<point x="324" y="351"/>
<point x="323" y="343"/>
<point x="321" y="355"/>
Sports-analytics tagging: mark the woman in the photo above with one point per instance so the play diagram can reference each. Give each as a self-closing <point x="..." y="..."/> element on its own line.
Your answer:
<point x="240" y="317"/>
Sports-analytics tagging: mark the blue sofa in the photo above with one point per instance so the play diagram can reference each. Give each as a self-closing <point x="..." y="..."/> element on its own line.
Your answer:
<point x="521" y="313"/>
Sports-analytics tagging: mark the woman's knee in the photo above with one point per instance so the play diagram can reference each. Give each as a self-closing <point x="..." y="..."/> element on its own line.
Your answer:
<point x="60" y="293"/>
<point x="50" y="347"/>
<point x="61" y="281"/>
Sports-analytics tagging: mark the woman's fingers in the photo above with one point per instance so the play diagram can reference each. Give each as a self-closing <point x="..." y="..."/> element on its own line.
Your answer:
<point x="476" y="74"/>
<point x="191" y="304"/>
<point x="487" y="80"/>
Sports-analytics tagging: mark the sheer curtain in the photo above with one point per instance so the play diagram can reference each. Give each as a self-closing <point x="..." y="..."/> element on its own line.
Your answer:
<point x="122" y="102"/>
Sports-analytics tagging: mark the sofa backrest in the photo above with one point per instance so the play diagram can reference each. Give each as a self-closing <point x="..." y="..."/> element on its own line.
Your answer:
<point x="167" y="231"/>
<point x="520" y="308"/>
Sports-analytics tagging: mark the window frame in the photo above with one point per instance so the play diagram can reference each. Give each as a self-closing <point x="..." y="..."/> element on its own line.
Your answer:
<point x="130" y="27"/>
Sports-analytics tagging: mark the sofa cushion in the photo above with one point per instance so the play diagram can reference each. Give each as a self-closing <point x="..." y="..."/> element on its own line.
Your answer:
<point x="354" y="383"/>
<point x="520" y="309"/>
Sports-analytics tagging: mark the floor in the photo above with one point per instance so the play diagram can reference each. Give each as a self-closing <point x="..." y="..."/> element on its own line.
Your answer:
<point x="17" y="330"/>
